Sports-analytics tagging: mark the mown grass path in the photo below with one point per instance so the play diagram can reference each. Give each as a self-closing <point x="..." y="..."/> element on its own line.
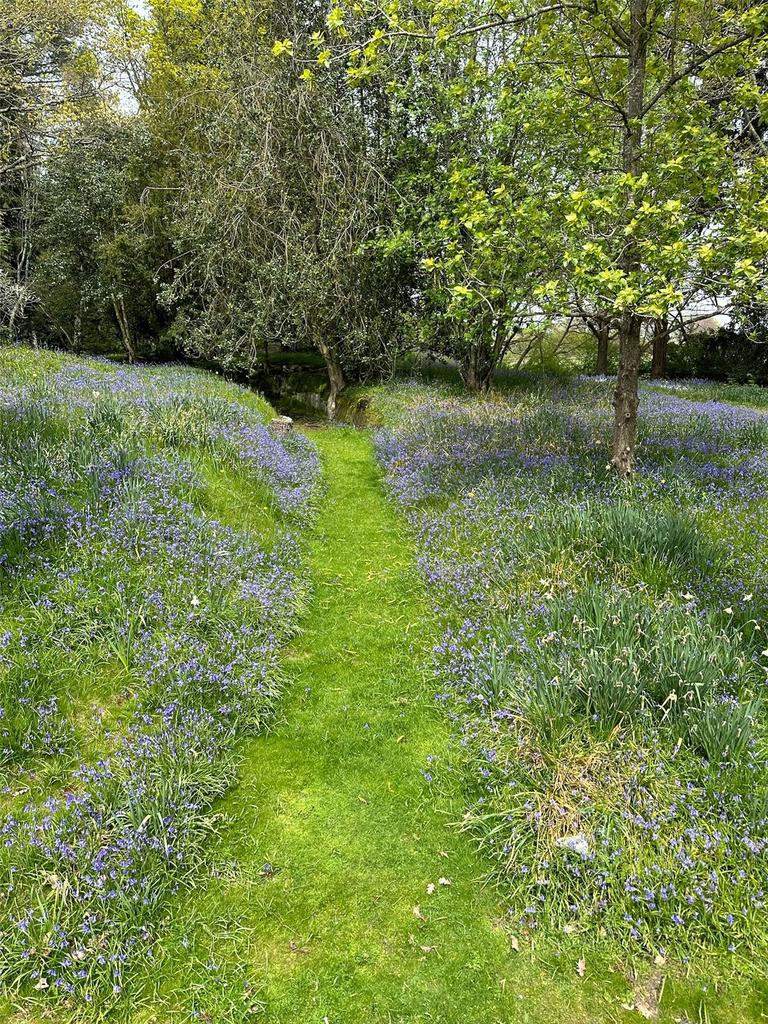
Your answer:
<point x="339" y="798"/>
<point x="318" y="906"/>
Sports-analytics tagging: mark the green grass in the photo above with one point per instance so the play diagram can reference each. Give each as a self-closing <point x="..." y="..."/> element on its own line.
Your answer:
<point x="313" y="904"/>
<point x="335" y="801"/>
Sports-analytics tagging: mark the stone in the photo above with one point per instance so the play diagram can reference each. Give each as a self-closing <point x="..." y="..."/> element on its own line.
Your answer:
<point x="282" y="424"/>
<point x="576" y="844"/>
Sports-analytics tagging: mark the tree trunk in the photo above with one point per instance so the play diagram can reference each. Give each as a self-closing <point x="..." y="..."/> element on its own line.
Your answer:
<point x="336" y="378"/>
<point x="525" y="353"/>
<point x="626" y="400"/>
<point x="603" y="335"/>
<point x="630" y="331"/>
<point x="122" y="320"/>
<point x="479" y="363"/>
<point x="660" y="344"/>
<point x="478" y="368"/>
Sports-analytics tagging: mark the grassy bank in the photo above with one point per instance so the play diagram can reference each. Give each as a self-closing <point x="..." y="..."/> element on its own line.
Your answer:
<point x="166" y="865"/>
<point x="149" y="575"/>
<point x="324" y="899"/>
<point x="603" y="658"/>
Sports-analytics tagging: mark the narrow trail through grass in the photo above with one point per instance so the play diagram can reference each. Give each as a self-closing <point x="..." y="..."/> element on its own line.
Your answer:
<point x="317" y="906"/>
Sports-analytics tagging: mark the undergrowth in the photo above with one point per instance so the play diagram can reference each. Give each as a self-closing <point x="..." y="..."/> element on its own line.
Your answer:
<point x="139" y="639"/>
<point x="604" y="656"/>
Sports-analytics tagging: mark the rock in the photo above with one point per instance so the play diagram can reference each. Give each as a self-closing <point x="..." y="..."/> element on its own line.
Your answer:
<point x="576" y="844"/>
<point x="282" y="424"/>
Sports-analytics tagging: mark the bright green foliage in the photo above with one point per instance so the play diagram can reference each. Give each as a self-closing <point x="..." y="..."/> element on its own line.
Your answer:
<point x="470" y="209"/>
<point x="643" y="161"/>
<point x="694" y="204"/>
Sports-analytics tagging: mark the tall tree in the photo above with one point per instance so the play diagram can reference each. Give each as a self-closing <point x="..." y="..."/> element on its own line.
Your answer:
<point x="37" y="45"/>
<point x="280" y="199"/>
<point x="467" y="184"/>
<point x="100" y="236"/>
<point x="50" y="77"/>
<point x="658" y="200"/>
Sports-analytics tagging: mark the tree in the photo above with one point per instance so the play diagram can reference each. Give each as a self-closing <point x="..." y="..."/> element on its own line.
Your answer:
<point x="99" y="237"/>
<point x="660" y="202"/>
<point x="467" y="200"/>
<point x="38" y="72"/>
<point x="280" y="202"/>
<point x="58" y="91"/>
<point x="601" y="324"/>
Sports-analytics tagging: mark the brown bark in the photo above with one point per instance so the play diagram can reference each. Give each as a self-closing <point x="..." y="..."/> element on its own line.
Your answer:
<point x="626" y="397"/>
<point x="625" y="401"/>
<point x="483" y="357"/>
<point x="660" y="345"/>
<point x="336" y="380"/>
<point x="122" y="320"/>
<point x="478" y="368"/>
<point x="524" y="354"/>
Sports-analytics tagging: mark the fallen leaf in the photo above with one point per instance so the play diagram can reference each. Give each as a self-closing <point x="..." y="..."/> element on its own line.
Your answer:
<point x="514" y="943"/>
<point x="417" y="913"/>
<point x="581" y="968"/>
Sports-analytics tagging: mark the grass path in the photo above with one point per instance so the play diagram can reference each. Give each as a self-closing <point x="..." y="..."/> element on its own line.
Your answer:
<point x="317" y="908"/>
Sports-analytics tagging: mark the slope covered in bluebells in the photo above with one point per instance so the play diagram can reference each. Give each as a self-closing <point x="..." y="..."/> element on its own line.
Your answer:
<point x="602" y="656"/>
<point x="149" y="575"/>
